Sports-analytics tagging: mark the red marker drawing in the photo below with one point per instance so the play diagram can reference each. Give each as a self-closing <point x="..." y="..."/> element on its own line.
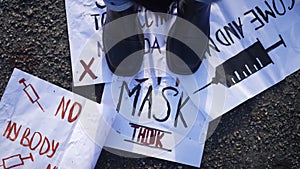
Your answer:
<point x="31" y="93"/>
<point x="14" y="161"/>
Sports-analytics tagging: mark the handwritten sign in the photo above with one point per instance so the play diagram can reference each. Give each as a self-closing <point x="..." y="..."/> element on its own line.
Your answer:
<point x="255" y="47"/>
<point x="157" y="117"/>
<point x="44" y="126"/>
<point x="85" y="22"/>
<point x="252" y="46"/>
<point x="232" y="68"/>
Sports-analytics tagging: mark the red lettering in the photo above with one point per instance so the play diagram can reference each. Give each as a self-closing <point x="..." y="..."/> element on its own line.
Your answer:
<point x="49" y="167"/>
<point x="47" y="144"/>
<point x="87" y="69"/>
<point x="158" y="138"/>
<point x="32" y="141"/>
<point x="152" y="136"/>
<point x="12" y="128"/>
<point x="148" y="136"/>
<point x="36" y="141"/>
<point x="72" y="119"/>
<point x="142" y="134"/>
<point x="63" y="109"/>
<point x="62" y="106"/>
<point x="54" y="148"/>
<point x="25" y="137"/>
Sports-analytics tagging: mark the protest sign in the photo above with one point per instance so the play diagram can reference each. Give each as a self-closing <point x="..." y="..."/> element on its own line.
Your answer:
<point x="239" y="33"/>
<point x="157" y="118"/>
<point x="253" y="45"/>
<point x="44" y="126"/>
<point x="85" y="22"/>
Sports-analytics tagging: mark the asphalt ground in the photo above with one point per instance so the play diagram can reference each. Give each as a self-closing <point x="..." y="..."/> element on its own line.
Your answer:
<point x="263" y="132"/>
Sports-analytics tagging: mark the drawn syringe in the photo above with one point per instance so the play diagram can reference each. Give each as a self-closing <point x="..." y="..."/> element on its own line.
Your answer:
<point x="244" y="64"/>
<point x="15" y="161"/>
<point x="31" y="93"/>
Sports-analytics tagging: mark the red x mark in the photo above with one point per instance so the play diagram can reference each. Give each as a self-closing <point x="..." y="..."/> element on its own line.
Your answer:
<point x="87" y="69"/>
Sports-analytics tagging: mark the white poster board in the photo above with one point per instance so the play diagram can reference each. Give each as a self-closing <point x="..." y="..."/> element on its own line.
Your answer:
<point x="256" y="44"/>
<point x="268" y="28"/>
<point x="157" y="118"/>
<point x="253" y="45"/>
<point x="44" y="126"/>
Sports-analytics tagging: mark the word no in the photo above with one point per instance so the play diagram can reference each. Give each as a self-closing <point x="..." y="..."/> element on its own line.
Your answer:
<point x="73" y="112"/>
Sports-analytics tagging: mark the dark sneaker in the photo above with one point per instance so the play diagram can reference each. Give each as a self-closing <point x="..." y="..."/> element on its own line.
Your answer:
<point x="155" y="5"/>
<point x="188" y="37"/>
<point x="123" y="42"/>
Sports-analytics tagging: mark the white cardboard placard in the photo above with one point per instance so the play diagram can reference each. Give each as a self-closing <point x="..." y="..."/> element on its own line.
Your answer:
<point x="268" y="30"/>
<point x="44" y="126"/>
<point x="157" y="118"/>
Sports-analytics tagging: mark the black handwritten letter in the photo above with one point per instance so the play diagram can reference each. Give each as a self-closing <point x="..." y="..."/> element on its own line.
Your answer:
<point x="256" y="18"/>
<point x="292" y="5"/>
<point x="265" y="15"/>
<point x="155" y="45"/>
<point x="220" y="36"/>
<point x="148" y="98"/>
<point x="136" y="90"/>
<point x="168" y="104"/>
<point x="96" y="21"/>
<point x="179" y="113"/>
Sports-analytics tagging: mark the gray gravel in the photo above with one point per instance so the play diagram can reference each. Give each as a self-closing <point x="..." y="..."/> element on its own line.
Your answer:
<point x="264" y="132"/>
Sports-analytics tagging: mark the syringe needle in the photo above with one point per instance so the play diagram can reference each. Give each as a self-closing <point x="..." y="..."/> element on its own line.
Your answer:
<point x="202" y="88"/>
<point x="40" y="106"/>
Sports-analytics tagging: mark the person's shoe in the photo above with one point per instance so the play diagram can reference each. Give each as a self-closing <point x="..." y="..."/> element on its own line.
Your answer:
<point x="161" y="6"/>
<point x="123" y="42"/>
<point x="187" y="41"/>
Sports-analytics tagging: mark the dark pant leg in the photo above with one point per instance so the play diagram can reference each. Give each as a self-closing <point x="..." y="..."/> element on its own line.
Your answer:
<point x="188" y="37"/>
<point x="123" y="42"/>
